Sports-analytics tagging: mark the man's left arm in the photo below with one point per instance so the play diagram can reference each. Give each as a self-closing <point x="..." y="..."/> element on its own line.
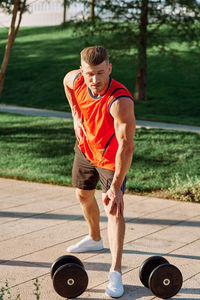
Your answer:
<point x="122" y="111"/>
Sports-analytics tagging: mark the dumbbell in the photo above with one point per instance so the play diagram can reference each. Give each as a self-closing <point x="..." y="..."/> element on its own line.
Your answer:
<point x="163" y="279"/>
<point x="69" y="277"/>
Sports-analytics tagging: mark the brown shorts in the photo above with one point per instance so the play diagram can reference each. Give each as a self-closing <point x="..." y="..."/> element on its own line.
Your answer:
<point x="85" y="175"/>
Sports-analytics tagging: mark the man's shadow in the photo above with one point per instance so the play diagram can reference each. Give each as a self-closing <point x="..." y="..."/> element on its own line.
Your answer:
<point x="131" y="292"/>
<point x="134" y="292"/>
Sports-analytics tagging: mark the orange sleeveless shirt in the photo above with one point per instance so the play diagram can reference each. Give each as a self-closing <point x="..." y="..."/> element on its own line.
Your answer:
<point x="100" y="143"/>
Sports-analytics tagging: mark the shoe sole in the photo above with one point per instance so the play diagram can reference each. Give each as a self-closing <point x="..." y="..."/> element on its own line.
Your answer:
<point x="113" y="296"/>
<point x="84" y="250"/>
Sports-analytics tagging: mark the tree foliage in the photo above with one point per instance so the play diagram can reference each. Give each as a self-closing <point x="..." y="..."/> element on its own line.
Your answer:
<point x="138" y="26"/>
<point x="7" y="5"/>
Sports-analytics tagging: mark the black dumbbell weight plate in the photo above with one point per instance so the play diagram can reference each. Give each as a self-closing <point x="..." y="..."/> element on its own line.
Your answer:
<point x="148" y="266"/>
<point x="63" y="260"/>
<point x="165" y="281"/>
<point x="70" y="281"/>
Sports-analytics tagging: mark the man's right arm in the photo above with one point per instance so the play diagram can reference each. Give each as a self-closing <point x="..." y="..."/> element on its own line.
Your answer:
<point x="76" y="113"/>
<point x="69" y="91"/>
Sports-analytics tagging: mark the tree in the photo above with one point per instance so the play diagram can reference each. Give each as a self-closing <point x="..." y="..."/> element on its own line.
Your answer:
<point x="66" y="3"/>
<point x="144" y="24"/>
<point x="64" y="11"/>
<point x="140" y="86"/>
<point x="92" y="12"/>
<point x="90" y="6"/>
<point x="17" y="8"/>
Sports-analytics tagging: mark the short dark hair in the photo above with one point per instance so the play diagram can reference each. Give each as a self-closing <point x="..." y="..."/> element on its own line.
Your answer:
<point x="94" y="55"/>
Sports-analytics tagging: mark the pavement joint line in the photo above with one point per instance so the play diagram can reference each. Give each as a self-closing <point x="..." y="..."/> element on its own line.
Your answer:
<point x="185" y="245"/>
<point x="159" y="230"/>
<point x="23" y="204"/>
<point x="30" y="232"/>
<point x="163" y="228"/>
<point x="36" y="251"/>
<point x="57" y="224"/>
<point x="20" y="235"/>
<point x="129" y="220"/>
<point x="26" y="281"/>
<point x="33" y="215"/>
<point x="192" y="276"/>
<point x="161" y="209"/>
<point x="48" y="273"/>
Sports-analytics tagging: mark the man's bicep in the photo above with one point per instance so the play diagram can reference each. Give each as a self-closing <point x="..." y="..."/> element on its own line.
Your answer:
<point x="124" y="119"/>
<point x="125" y="131"/>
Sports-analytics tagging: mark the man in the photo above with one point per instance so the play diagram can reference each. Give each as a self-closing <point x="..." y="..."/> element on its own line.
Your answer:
<point x="104" y="123"/>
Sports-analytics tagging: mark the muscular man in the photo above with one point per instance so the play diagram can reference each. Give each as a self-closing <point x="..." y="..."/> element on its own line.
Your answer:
<point x="104" y="123"/>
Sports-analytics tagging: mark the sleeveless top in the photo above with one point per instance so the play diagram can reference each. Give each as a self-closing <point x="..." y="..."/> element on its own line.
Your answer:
<point x="100" y="143"/>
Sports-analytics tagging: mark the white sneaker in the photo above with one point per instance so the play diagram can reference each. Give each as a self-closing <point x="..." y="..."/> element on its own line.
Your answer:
<point x="115" y="287"/>
<point x="86" y="245"/>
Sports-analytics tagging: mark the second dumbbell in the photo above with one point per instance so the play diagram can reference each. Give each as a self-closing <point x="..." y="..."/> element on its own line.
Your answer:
<point x="163" y="279"/>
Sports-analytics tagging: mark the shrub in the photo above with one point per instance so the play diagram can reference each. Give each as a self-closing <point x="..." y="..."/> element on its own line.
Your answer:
<point x="185" y="190"/>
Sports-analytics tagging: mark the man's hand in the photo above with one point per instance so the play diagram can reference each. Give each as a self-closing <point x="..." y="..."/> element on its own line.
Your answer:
<point x="115" y="198"/>
<point x="78" y="127"/>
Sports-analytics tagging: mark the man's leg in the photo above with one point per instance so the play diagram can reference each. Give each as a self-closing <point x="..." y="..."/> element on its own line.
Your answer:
<point x="116" y="225"/>
<point x="90" y="211"/>
<point x="85" y="178"/>
<point x="116" y="232"/>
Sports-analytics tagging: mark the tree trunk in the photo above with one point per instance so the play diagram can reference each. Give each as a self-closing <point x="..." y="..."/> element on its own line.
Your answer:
<point x="141" y="79"/>
<point x="92" y="14"/>
<point x="64" y="12"/>
<point x="20" y="17"/>
<point x="11" y="38"/>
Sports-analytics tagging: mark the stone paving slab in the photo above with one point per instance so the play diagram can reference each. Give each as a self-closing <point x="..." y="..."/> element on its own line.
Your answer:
<point x="39" y="221"/>
<point x="29" y="210"/>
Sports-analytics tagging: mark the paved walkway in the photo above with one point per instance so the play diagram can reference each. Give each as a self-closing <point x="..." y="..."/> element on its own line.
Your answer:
<point x="38" y="222"/>
<point x="59" y="114"/>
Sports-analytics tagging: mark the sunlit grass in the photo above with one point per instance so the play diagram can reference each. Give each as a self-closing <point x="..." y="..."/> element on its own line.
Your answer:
<point x="41" y="149"/>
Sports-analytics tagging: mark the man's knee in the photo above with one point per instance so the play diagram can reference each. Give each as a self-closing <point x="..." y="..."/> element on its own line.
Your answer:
<point x="85" y="196"/>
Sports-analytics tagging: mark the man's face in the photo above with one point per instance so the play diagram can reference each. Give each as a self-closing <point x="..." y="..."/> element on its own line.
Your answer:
<point x="96" y="77"/>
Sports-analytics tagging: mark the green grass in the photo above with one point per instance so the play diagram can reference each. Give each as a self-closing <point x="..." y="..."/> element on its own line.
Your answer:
<point x="41" y="56"/>
<point x="36" y="149"/>
<point x="41" y="149"/>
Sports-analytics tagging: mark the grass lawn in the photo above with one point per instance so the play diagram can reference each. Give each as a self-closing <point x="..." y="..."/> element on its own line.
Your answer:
<point x="41" y="56"/>
<point x="41" y="149"/>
